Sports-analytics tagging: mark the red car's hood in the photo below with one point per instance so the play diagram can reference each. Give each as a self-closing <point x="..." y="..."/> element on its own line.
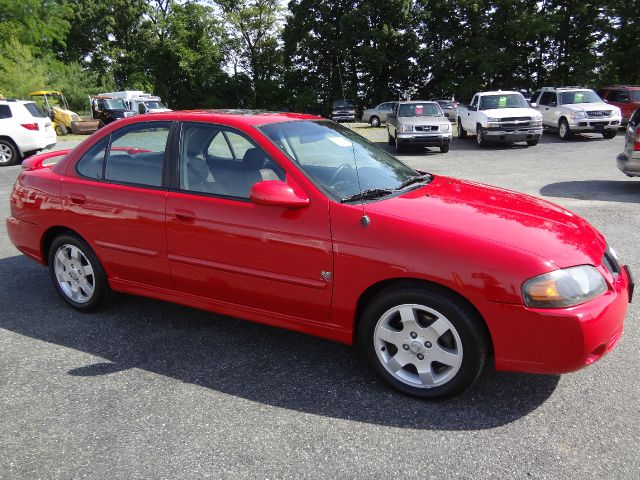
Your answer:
<point x="504" y="216"/>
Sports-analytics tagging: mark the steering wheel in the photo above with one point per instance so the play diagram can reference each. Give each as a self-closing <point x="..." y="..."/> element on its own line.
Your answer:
<point x="338" y="172"/>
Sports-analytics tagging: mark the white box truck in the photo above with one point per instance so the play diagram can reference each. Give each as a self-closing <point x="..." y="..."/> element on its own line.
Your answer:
<point x="139" y="102"/>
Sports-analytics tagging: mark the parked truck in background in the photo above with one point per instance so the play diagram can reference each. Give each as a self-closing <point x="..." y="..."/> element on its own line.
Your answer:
<point x="500" y="116"/>
<point x="107" y="109"/>
<point x="139" y="102"/>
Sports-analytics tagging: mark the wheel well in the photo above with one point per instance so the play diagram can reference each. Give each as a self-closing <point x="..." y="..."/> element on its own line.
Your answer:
<point x="9" y="139"/>
<point x="49" y="236"/>
<point x="397" y="283"/>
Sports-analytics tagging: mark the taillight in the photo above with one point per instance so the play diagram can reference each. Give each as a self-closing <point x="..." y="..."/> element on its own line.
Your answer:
<point x="31" y="126"/>
<point x="636" y="144"/>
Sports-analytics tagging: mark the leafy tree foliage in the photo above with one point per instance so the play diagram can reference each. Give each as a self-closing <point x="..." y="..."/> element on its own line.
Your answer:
<point x="251" y="53"/>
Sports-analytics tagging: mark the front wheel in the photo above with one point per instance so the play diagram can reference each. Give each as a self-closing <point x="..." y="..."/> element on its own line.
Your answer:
<point x="61" y="130"/>
<point x="390" y="139"/>
<point x="462" y="133"/>
<point x="77" y="273"/>
<point x="609" y="134"/>
<point x="480" y="139"/>
<point x="444" y="148"/>
<point x="423" y="341"/>
<point x="533" y="143"/>
<point x="375" y="121"/>
<point x="563" y="129"/>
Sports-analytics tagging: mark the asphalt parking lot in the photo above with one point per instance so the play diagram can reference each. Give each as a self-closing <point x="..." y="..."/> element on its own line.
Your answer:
<point x="146" y="389"/>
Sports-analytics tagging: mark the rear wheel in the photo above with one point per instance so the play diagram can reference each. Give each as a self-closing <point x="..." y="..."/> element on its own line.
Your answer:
<point x="462" y="133"/>
<point x="9" y="154"/>
<point x="422" y="341"/>
<point x="563" y="129"/>
<point x="77" y="273"/>
<point x="609" y="134"/>
<point x="374" y="121"/>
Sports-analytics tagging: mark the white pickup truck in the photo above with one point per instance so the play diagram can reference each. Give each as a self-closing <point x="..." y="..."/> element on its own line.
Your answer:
<point x="500" y="116"/>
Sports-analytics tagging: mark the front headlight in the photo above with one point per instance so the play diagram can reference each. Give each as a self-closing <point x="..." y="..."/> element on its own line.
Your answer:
<point x="563" y="288"/>
<point x="579" y="115"/>
<point x="445" y="127"/>
<point x="405" y="128"/>
<point x="493" y="120"/>
<point x="536" y="122"/>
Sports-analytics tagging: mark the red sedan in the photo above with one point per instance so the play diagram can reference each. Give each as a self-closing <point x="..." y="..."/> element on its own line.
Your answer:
<point x="298" y="222"/>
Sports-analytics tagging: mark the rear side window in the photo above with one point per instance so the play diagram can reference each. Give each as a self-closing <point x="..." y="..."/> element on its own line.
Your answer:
<point x="136" y="155"/>
<point x="92" y="162"/>
<point x="35" y="110"/>
<point x="5" y="111"/>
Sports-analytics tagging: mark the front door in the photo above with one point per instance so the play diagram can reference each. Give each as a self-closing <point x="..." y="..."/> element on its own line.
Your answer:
<point x="224" y="247"/>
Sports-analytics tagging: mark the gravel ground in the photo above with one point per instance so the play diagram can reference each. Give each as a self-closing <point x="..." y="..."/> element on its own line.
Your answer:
<point x="147" y="389"/>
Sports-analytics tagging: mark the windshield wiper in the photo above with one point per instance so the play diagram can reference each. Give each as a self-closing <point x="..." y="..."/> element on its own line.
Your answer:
<point x="371" y="193"/>
<point x="415" y="179"/>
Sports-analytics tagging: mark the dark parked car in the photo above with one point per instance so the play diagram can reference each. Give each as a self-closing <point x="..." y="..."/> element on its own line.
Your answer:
<point x="107" y="109"/>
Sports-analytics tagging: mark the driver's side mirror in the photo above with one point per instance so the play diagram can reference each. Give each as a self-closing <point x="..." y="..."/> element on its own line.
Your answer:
<point x="534" y="105"/>
<point x="473" y="108"/>
<point x="553" y="104"/>
<point x="391" y="115"/>
<point x="276" y="193"/>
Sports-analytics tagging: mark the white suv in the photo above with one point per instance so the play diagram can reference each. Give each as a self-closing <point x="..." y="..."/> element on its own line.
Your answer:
<point x="24" y="130"/>
<point x="574" y="110"/>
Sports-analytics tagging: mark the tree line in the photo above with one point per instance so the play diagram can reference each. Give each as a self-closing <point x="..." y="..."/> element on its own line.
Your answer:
<point x="259" y="54"/>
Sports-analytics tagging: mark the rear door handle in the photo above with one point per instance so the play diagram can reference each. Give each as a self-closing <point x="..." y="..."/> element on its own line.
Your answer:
<point x="77" y="198"/>
<point x="186" y="216"/>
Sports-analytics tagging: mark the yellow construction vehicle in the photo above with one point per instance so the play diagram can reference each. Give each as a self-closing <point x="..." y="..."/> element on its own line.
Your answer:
<point x="64" y="120"/>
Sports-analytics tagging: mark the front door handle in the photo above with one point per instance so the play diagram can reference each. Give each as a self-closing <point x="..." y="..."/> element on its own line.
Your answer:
<point x="186" y="216"/>
<point x="77" y="198"/>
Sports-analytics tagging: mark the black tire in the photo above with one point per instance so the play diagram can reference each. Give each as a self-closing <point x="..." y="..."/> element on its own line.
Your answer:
<point x="533" y="143"/>
<point x="609" y="134"/>
<point x="61" y="130"/>
<point x="466" y="322"/>
<point x="399" y="146"/>
<point x="374" y="121"/>
<point x="9" y="153"/>
<point x="444" y="148"/>
<point x="102" y="293"/>
<point x="480" y="139"/>
<point x="462" y="133"/>
<point x="390" y="139"/>
<point x="563" y="129"/>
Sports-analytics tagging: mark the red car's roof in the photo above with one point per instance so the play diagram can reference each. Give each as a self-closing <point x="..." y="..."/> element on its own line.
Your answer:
<point x="234" y="116"/>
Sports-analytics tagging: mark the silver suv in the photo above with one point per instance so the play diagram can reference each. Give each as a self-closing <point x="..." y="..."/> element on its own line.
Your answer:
<point x="418" y="123"/>
<point x="629" y="160"/>
<point x="576" y="110"/>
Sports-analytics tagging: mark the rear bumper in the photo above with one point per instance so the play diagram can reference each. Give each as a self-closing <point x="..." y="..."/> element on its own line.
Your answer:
<point x="629" y="166"/>
<point x="557" y="341"/>
<point x="436" y="139"/>
<point x="26" y="237"/>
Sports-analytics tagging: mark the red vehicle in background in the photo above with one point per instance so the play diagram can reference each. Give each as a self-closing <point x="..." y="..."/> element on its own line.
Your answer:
<point x="625" y="97"/>
<point x="298" y="222"/>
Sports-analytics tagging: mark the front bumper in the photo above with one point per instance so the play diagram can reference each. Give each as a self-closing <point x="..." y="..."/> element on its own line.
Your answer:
<point x="594" y="124"/>
<point x="435" y="139"/>
<point x="629" y="166"/>
<point x="343" y="118"/>
<point x="499" y="134"/>
<point x="554" y="341"/>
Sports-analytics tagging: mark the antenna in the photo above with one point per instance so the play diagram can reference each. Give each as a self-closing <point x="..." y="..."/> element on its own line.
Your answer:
<point x="364" y="221"/>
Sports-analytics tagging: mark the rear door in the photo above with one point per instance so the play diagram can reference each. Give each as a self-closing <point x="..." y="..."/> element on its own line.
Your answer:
<point x="117" y="199"/>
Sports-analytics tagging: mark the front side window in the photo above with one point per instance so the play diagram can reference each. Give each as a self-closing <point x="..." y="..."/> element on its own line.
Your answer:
<point x="579" y="96"/>
<point x="338" y="160"/>
<point x="419" y="110"/>
<point x="136" y="155"/>
<point x="218" y="161"/>
<point x="509" y="100"/>
<point x="548" y="98"/>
